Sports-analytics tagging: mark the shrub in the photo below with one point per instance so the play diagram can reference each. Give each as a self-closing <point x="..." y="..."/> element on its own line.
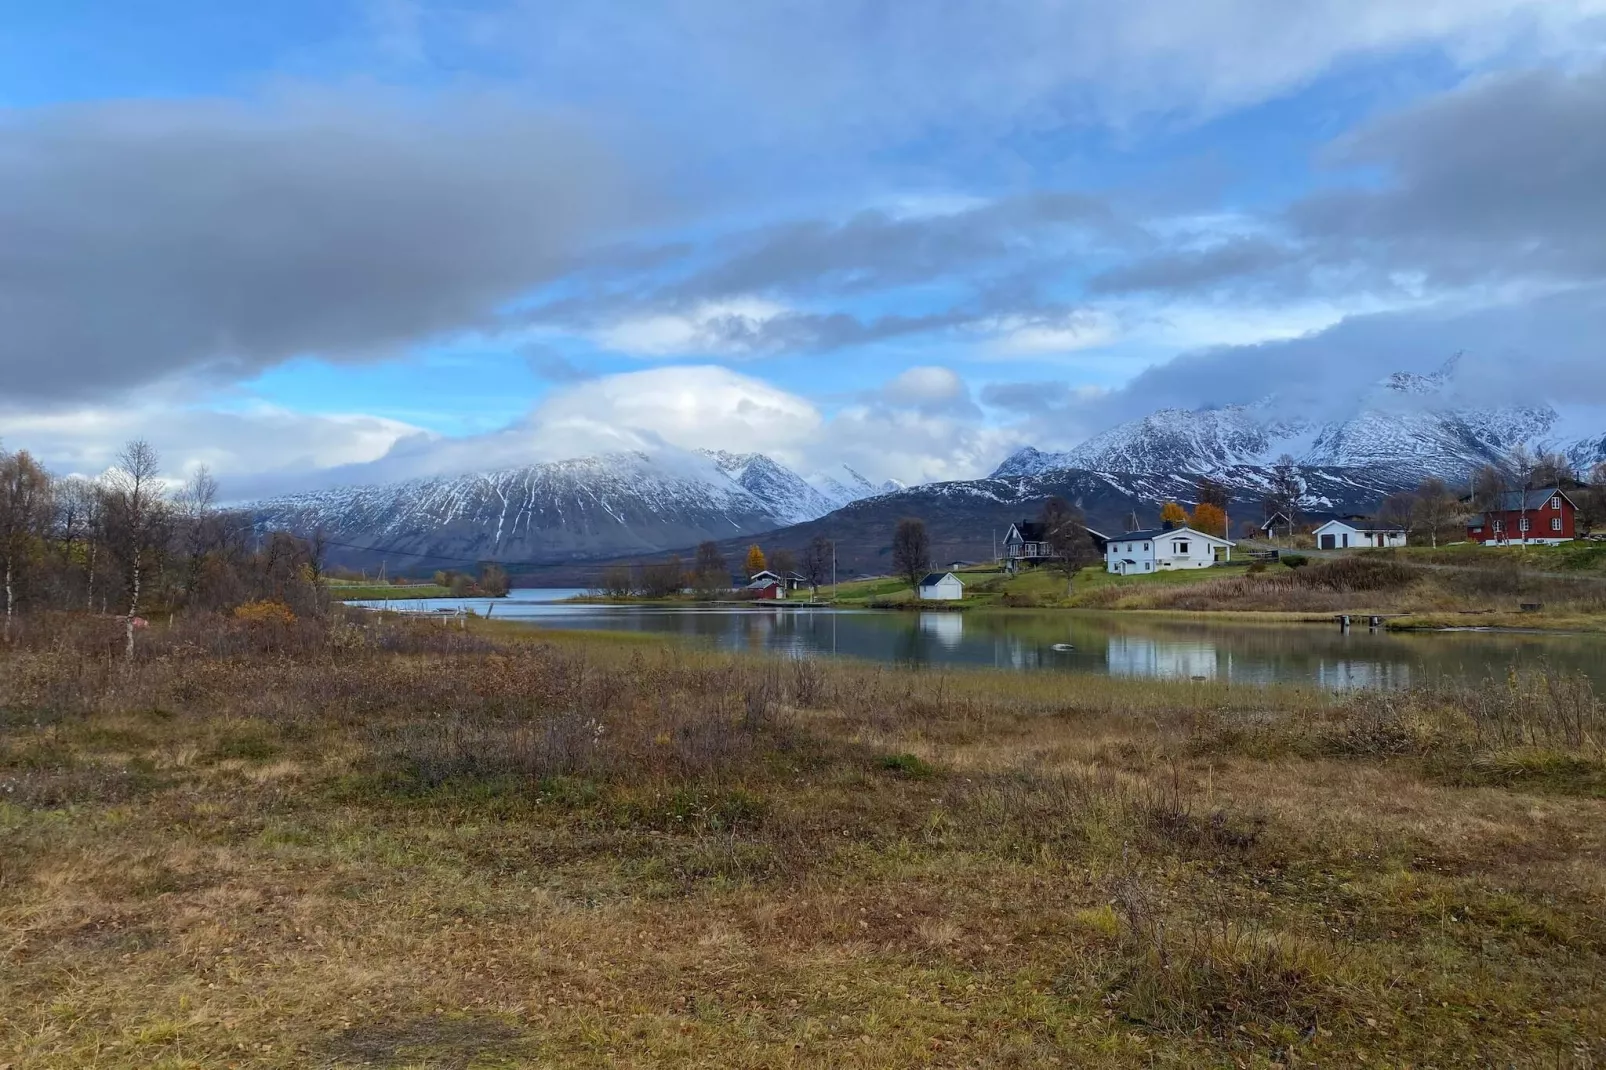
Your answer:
<point x="907" y="765"/>
<point x="265" y="613"/>
<point x="1295" y="560"/>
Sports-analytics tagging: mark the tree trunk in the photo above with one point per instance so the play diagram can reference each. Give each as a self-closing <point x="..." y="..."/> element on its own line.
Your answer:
<point x="133" y="607"/>
<point x="89" y="592"/>
<point x="10" y="598"/>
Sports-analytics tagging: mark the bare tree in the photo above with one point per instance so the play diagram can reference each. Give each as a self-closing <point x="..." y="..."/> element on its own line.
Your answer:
<point x="1284" y="490"/>
<point x="1065" y="531"/>
<point x="783" y="562"/>
<point x="1591" y="499"/>
<point x="1433" y="509"/>
<point x="1488" y="484"/>
<point x="25" y="515"/>
<point x="1397" y="508"/>
<point x="135" y="514"/>
<point x="1553" y="470"/>
<point x="816" y="562"/>
<point x="911" y="551"/>
<point x="710" y="573"/>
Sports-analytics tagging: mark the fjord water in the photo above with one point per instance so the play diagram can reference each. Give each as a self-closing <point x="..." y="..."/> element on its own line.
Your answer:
<point x="1115" y="644"/>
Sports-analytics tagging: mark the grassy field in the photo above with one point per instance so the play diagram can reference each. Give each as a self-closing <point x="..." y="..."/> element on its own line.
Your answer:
<point x="346" y="591"/>
<point x="391" y="843"/>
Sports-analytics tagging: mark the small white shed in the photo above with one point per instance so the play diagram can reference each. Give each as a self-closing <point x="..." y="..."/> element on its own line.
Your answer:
<point x="941" y="587"/>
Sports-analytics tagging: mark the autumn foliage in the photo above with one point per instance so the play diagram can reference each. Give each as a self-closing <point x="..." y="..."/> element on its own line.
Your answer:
<point x="755" y="560"/>
<point x="1210" y="519"/>
<point x="1173" y="513"/>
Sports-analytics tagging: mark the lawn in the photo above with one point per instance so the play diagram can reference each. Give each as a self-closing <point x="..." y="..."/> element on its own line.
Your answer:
<point x="355" y="592"/>
<point x="388" y="842"/>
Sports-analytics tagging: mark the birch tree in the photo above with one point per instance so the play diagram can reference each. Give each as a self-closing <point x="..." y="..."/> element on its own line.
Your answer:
<point x="135" y="515"/>
<point x="25" y="514"/>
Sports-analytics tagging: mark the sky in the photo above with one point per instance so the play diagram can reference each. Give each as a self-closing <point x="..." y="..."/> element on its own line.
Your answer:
<point x="309" y="242"/>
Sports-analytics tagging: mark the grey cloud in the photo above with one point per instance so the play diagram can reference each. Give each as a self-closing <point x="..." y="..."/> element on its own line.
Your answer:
<point x="1505" y="178"/>
<point x="877" y="250"/>
<point x="1196" y="269"/>
<point x="1027" y="399"/>
<point x="143" y="239"/>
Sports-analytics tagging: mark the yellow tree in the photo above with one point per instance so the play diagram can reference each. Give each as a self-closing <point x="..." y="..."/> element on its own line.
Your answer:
<point x="755" y="560"/>
<point x="1173" y="513"/>
<point x="1210" y="519"/>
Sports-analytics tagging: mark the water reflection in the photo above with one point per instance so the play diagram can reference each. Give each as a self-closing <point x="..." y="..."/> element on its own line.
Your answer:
<point x="1113" y="644"/>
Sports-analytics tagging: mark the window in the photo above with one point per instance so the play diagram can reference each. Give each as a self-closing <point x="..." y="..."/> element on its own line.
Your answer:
<point x="1555" y="523"/>
<point x="1523" y="524"/>
<point x="1147" y="566"/>
<point x="1180" y="547"/>
<point x="1555" y="503"/>
<point x="1145" y="546"/>
<point x="1500" y="525"/>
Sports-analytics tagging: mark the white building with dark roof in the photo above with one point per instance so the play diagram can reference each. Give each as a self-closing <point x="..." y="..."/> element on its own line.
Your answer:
<point x="1135" y="553"/>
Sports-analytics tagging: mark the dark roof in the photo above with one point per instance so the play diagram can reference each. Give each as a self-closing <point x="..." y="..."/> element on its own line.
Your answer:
<point x="1362" y="523"/>
<point x="1307" y="516"/>
<point x="1515" y="501"/>
<point x="1030" y="530"/>
<point x="932" y="578"/>
<point x="1156" y="533"/>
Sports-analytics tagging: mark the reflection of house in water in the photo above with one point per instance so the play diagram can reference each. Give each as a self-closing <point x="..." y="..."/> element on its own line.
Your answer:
<point x="948" y="629"/>
<point x="1349" y="675"/>
<point x="1136" y="655"/>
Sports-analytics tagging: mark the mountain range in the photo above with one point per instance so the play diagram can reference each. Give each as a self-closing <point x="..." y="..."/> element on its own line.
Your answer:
<point x="572" y="515"/>
<point x="583" y="509"/>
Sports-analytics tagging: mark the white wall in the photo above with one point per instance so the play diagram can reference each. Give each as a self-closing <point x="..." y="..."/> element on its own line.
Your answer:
<point x="947" y="589"/>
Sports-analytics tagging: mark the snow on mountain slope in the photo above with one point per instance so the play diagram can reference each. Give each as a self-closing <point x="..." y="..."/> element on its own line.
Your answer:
<point x="843" y="486"/>
<point x="593" y="507"/>
<point x="1409" y="427"/>
<point x="590" y="507"/>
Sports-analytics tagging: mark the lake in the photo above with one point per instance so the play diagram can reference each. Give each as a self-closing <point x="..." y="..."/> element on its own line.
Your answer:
<point x="1067" y="641"/>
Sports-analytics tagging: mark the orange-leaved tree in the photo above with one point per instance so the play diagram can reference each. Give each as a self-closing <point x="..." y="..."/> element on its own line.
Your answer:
<point x="1210" y="519"/>
<point x="755" y="560"/>
<point x="1173" y="513"/>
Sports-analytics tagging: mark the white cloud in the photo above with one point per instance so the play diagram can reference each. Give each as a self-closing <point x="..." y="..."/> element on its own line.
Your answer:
<point x="1018" y="336"/>
<point x="241" y="447"/>
<point x="708" y="328"/>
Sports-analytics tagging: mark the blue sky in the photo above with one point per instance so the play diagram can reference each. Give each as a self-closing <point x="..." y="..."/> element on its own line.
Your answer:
<point x="304" y="242"/>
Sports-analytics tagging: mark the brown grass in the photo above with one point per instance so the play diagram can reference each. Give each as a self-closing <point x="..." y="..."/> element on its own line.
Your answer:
<point x="408" y="845"/>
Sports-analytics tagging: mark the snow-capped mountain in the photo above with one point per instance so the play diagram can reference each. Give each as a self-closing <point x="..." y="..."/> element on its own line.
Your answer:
<point x="843" y="486"/>
<point x="1409" y="427"/>
<point x="594" y="507"/>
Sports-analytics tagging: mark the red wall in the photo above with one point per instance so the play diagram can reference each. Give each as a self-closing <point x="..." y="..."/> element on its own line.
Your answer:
<point x="1538" y="525"/>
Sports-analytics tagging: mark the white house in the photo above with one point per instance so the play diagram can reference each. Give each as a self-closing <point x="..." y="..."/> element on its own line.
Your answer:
<point x="1358" y="531"/>
<point x="941" y="587"/>
<point x="1158" y="549"/>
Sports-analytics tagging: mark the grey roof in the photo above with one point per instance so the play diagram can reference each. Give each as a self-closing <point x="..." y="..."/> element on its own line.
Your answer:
<point x="932" y="578"/>
<point x="1365" y="524"/>
<point x="1030" y="530"/>
<point x="1159" y="533"/>
<point x="1514" y="501"/>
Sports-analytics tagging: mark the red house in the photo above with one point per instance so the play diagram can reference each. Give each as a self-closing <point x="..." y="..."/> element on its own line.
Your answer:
<point x="1542" y="517"/>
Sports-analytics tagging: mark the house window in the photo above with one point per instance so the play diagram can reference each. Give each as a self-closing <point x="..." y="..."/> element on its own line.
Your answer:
<point x="1180" y="547"/>
<point x="1555" y="503"/>
<point x="1500" y="525"/>
<point x="1523" y="524"/>
<point x="1555" y="523"/>
<point x="1145" y="546"/>
<point x="1147" y="566"/>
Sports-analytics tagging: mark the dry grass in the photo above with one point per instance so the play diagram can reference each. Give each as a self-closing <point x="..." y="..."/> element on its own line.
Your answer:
<point x="412" y="846"/>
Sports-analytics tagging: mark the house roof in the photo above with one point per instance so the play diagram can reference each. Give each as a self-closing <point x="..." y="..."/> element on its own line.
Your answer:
<point x="760" y="584"/>
<point x="1307" y="515"/>
<point x="1514" y="501"/>
<point x="1365" y="524"/>
<point x="931" y="579"/>
<point x="1159" y="533"/>
<point x="1029" y="530"/>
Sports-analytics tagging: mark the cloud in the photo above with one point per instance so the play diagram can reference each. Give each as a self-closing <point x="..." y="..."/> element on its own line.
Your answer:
<point x="930" y="390"/>
<point x="149" y="239"/>
<point x="247" y="449"/>
<point x="845" y="72"/>
<point x="1500" y="179"/>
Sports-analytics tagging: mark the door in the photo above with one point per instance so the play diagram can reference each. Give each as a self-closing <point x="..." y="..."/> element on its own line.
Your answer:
<point x="1327" y="542"/>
